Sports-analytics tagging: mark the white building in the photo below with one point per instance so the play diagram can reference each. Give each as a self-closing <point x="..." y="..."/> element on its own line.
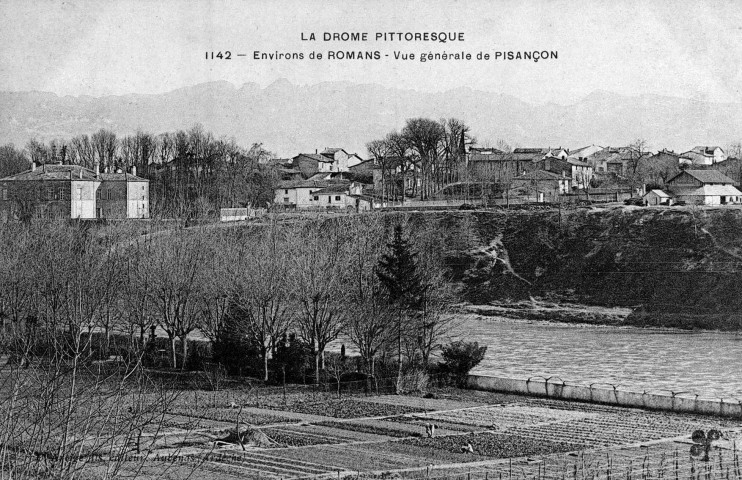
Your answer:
<point x="704" y="187"/>
<point x="706" y="155"/>
<point x="327" y="194"/>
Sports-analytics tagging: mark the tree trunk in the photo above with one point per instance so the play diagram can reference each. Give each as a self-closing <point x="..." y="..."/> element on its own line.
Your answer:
<point x="399" y="350"/>
<point x="172" y="350"/>
<point x="265" y="363"/>
<point x="184" y="339"/>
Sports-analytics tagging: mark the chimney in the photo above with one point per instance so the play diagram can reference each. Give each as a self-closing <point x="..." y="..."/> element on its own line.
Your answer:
<point x="60" y="162"/>
<point x="97" y="169"/>
<point x="81" y="174"/>
<point x="33" y="166"/>
<point x="316" y="151"/>
<point x="134" y="170"/>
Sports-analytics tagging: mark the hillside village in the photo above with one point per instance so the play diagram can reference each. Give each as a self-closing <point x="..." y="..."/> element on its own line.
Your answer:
<point x="428" y="164"/>
<point x="336" y="179"/>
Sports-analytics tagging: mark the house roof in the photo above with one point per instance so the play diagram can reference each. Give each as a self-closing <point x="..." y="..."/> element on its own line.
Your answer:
<point x="579" y="163"/>
<point x="332" y="151"/>
<point x="578" y="151"/>
<point x="542" y="151"/>
<point x="364" y="162"/>
<point x="70" y="172"/>
<point x="705" y="149"/>
<point x="316" y="156"/>
<point x="714" y="191"/>
<point x="311" y="183"/>
<point x="484" y="150"/>
<point x="706" y="176"/>
<point x="340" y="188"/>
<point x="659" y="193"/>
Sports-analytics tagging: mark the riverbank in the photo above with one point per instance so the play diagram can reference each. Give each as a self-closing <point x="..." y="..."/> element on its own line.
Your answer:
<point x="549" y="310"/>
<point x="539" y="309"/>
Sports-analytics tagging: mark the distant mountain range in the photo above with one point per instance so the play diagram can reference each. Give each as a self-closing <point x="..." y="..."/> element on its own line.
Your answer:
<point x="289" y="119"/>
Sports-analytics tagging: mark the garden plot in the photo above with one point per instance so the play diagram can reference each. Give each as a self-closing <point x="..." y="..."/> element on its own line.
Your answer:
<point x="229" y="416"/>
<point x="501" y="417"/>
<point x="304" y="435"/>
<point x="613" y="429"/>
<point x="426" y="403"/>
<point x="387" y="428"/>
<point x="492" y="445"/>
<point x="357" y="457"/>
<point x="263" y="464"/>
<point x="350" y="408"/>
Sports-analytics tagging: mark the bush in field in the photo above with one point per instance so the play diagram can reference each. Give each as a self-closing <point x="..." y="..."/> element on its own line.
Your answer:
<point x="460" y="357"/>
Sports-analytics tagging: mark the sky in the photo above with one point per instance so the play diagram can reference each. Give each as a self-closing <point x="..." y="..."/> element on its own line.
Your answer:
<point x="632" y="47"/>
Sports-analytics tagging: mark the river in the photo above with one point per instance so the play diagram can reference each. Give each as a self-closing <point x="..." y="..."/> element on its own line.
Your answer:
<point x="703" y="363"/>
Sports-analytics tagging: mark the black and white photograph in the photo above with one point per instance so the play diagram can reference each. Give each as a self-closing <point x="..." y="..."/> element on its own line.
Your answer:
<point x="411" y="240"/>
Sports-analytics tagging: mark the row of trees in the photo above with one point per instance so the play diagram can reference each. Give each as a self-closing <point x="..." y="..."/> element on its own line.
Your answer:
<point x="315" y="281"/>
<point x="432" y="153"/>
<point x="191" y="172"/>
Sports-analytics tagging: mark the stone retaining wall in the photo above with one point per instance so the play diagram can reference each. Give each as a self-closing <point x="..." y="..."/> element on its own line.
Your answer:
<point x="607" y="394"/>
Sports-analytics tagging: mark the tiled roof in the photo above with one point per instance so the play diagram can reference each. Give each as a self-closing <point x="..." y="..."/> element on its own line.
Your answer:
<point x="579" y="163"/>
<point x="542" y="151"/>
<point x="704" y="149"/>
<point x="659" y="193"/>
<point x="311" y="183"/>
<point x="67" y="172"/>
<point x="706" y="176"/>
<point x="333" y="189"/>
<point x="316" y="156"/>
<point x="331" y="151"/>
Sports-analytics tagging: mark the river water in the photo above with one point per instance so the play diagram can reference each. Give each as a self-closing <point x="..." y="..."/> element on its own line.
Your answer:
<point x="708" y="364"/>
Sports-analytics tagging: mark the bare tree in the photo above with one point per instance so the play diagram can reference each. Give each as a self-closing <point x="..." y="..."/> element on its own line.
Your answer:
<point x="177" y="285"/>
<point x="260" y="290"/>
<point x="371" y="325"/>
<point x="12" y="161"/>
<point x="318" y="263"/>
<point x="425" y="138"/>
<point x="105" y="145"/>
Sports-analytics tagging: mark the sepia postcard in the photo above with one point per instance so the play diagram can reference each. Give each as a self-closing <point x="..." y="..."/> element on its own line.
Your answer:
<point x="436" y="239"/>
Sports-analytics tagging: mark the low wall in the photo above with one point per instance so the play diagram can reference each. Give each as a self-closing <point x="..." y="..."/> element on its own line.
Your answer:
<point x="607" y="394"/>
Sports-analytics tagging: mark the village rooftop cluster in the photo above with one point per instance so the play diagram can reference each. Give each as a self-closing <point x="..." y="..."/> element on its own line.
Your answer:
<point x="193" y="170"/>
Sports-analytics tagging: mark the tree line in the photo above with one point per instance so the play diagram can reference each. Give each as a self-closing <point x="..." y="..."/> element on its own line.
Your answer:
<point x="191" y="172"/>
<point x="250" y="291"/>
<point x="431" y="152"/>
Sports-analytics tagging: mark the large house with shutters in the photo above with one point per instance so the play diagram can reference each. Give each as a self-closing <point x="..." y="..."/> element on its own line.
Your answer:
<point x="73" y="191"/>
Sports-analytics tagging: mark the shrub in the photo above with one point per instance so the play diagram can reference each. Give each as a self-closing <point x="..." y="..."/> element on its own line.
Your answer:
<point x="460" y="357"/>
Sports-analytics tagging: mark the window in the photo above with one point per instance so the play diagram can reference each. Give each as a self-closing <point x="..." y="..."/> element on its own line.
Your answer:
<point x="285" y="199"/>
<point x="337" y="198"/>
<point x="98" y="194"/>
<point x="286" y="192"/>
<point x="5" y="193"/>
<point x="329" y="199"/>
<point x="316" y="197"/>
<point x="59" y="194"/>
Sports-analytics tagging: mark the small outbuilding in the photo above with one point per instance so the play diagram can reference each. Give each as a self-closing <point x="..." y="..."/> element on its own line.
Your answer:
<point x="657" y="197"/>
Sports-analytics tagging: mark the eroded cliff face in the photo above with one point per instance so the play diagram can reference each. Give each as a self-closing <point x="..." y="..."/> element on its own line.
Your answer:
<point x="675" y="267"/>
